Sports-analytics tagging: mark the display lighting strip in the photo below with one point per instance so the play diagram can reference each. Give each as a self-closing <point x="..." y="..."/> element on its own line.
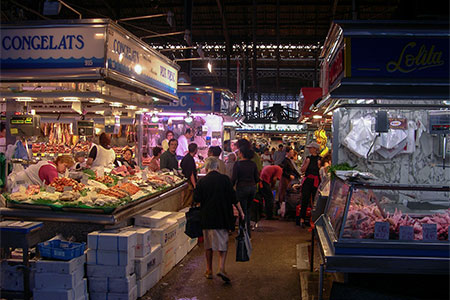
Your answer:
<point x="116" y="104"/>
<point x="174" y="114"/>
<point x="97" y="100"/>
<point x="71" y="99"/>
<point x="24" y="99"/>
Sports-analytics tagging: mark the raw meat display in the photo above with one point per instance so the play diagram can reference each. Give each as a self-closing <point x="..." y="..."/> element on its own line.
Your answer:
<point x="58" y="133"/>
<point x="60" y="182"/>
<point x="361" y="219"/>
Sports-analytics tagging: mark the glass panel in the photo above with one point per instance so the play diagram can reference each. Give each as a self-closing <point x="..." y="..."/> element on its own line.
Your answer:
<point x="410" y="215"/>
<point x="337" y="203"/>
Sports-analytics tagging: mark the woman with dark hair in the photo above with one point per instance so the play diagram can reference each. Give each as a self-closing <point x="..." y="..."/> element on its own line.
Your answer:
<point x="165" y="143"/>
<point x="101" y="156"/>
<point x="245" y="176"/>
<point x="154" y="163"/>
<point x="126" y="160"/>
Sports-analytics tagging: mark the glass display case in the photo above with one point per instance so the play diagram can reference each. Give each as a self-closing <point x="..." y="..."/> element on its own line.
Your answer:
<point x="368" y="218"/>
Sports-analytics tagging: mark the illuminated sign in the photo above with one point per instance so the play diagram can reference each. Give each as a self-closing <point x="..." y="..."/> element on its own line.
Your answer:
<point x="273" y="127"/>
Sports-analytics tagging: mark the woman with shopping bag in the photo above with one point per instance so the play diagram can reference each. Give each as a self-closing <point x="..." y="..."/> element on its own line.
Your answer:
<point x="216" y="196"/>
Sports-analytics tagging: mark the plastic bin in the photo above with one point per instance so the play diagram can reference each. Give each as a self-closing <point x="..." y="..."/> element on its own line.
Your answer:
<point x="57" y="249"/>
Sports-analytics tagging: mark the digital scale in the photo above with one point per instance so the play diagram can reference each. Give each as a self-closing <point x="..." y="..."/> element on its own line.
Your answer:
<point x="439" y="122"/>
<point x="25" y="125"/>
<point x="85" y="128"/>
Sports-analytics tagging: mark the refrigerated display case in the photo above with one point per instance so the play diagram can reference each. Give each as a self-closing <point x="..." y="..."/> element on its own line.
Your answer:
<point x="386" y="228"/>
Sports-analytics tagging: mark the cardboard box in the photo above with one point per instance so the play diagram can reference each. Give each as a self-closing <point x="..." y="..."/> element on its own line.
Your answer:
<point x="152" y="219"/>
<point x="132" y="295"/>
<point x="110" y="271"/>
<point x="181" y="252"/>
<point x="117" y="240"/>
<point x="60" y="267"/>
<point x="166" y="234"/>
<point x="146" y="264"/>
<point x="143" y="242"/>
<point x="149" y="281"/>
<point x="111" y="285"/>
<point x="192" y="243"/>
<point x="110" y="258"/>
<point x="11" y="277"/>
<point x="54" y="281"/>
<point x="168" y="261"/>
<point x="80" y="292"/>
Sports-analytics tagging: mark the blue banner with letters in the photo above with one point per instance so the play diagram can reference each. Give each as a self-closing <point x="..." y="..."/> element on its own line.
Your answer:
<point x="197" y="102"/>
<point x="375" y="57"/>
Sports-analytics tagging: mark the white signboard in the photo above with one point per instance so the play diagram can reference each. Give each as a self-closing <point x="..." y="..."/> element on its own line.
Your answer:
<point x="128" y="57"/>
<point x="52" y="47"/>
<point x="273" y="127"/>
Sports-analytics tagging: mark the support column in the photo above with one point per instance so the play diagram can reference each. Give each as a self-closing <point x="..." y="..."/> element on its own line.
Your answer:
<point x="188" y="4"/>
<point x="255" y="53"/>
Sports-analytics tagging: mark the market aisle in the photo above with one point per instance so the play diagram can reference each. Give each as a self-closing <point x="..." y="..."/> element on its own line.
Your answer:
<point x="270" y="274"/>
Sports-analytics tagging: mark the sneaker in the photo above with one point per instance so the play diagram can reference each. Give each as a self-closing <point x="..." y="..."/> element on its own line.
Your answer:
<point x="224" y="276"/>
<point x="208" y="275"/>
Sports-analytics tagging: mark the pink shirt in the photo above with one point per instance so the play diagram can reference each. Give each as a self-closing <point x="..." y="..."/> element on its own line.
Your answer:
<point x="48" y="172"/>
<point x="269" y="172"/>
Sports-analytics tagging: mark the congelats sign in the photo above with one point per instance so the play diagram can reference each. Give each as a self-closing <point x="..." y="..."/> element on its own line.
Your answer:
<point x="68" y="47"/>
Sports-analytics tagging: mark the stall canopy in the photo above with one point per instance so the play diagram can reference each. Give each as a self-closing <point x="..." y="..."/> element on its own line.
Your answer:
<point x="386" y="60"/>
<point x="96" y="56"/>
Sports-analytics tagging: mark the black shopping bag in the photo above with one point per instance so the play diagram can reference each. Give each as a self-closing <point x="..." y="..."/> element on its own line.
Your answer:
<point x="193" y="223"/>
<point x="243" y="244"/>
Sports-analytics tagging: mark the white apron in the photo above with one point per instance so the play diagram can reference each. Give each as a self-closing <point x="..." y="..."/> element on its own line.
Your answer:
<point x="104" y="159"/>
<point x="28" y="176"/>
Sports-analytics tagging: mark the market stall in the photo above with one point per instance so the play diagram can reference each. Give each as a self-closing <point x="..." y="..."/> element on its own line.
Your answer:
<point x="202" y="109"/>
<point x="64" y="83"/>
<point x="390" y="118"/>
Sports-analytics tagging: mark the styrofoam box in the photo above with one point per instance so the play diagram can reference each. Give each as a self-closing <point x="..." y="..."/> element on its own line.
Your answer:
<point x="110" y="258"/>
<point x="60" y="267"/>
<point x="143" y="242"/>
<point x="70" y="294"/>
<point x="181" y="226"/>
<point x="53" y="281"/>
<point x="11" y="277"/>
<point x="111" y="285"/>
<point x="168" y="261"/>
<point x="149" y="281"/>
<point x="181" y="252"/>
<point x="165" y="234"/>
<point x="146" y="264"/>
<point x="110" y="271"/>
<point x="132" y="295"/>
<point x="152" y="219"/>
<point x="118" y="240"/>
<point x="192" y="243"/>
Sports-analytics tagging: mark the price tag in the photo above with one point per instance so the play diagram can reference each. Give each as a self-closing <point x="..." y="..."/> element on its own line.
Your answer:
<point x="42" y="154"/>
<point x="406" y="233"/>
<point x="429" y="232"/>
<point x="51" y="189"/>
<point x="68" y="189"/>
<point x="144" y="176"/>
<point x="381" y="231"/>
<point x="34" y="154"/>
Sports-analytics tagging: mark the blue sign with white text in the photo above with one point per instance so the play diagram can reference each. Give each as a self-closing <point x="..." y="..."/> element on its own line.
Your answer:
<point x="400" y="57"/>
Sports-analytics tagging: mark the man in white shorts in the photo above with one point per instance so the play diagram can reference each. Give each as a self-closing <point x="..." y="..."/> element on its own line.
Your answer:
<point x="216" y="196"/>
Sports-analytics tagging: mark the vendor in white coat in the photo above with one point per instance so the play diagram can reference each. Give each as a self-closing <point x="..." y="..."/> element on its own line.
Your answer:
<point x="101" y="156"/>
<point x="44" y="172"/>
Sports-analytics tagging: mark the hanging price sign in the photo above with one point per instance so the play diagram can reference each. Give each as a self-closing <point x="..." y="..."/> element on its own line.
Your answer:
<point x="429" y="232"/>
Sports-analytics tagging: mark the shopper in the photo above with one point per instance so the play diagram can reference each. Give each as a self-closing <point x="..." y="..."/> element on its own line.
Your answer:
<point x="245" y="176"/>
<point x="2" y="138"/>
<point x="216" y="196"/>
<point x="101" y="156"/>
<point x="215" y="151"/>
<point x="155" y="161"/>
<point x="311" y="182"/>
<point x="127" y="159"/>
<point x="266" y="158"/>
<point x="289" y="174"/>
<point x="44" y="172"/>
<point x="169" y="158"/>
<point x="189" y="170"/>
<point x="279" y="155"/>
<point x="80" y="159"/>
<point x="183" y="143"/>
<point x="229" y="164"/>
<point x="165" y="142"/>
<point x="269" y="176"/>
<point x="324" y="186"/>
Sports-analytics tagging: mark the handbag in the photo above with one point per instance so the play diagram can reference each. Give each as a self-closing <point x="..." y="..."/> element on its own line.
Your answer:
<point x="243" y="244"/>
<point x="193" y="223"/>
